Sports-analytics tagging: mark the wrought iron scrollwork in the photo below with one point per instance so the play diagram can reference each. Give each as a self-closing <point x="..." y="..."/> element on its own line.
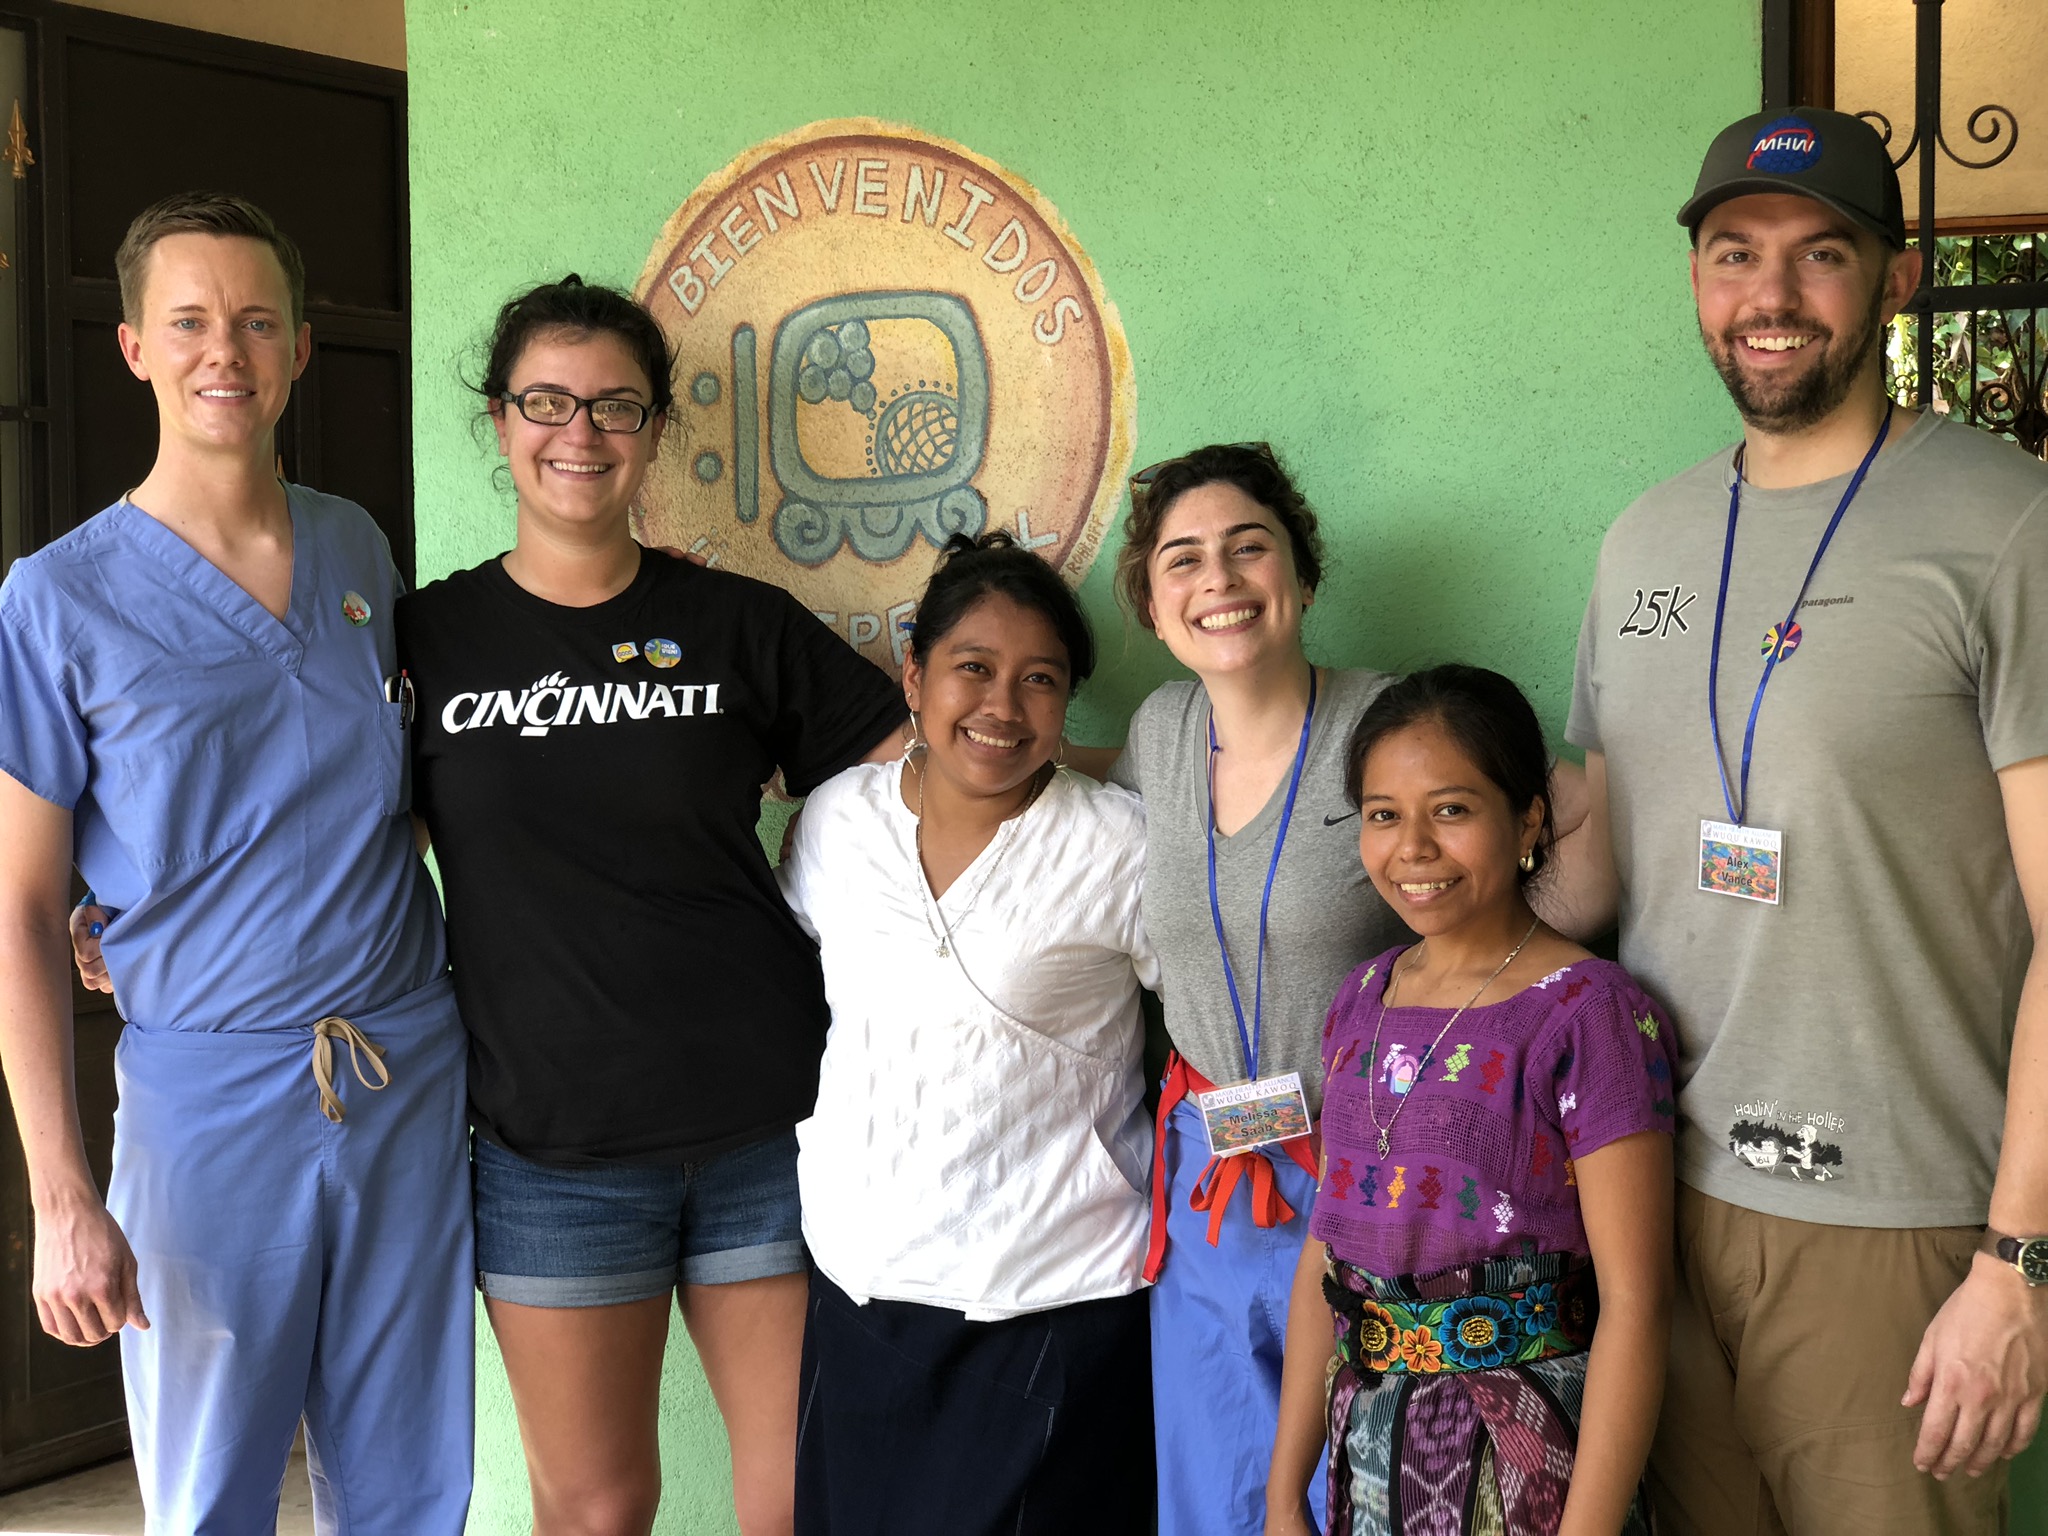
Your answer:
<point x="2003" y="122"/>
<point x="1987" y="356"/>
<point x="1979" y="340"/>
<point x="1883" y="125"/>
<point x="2010" y="126"/>
<point x="2016" y="401"/>
<point x="2016" y="408"/>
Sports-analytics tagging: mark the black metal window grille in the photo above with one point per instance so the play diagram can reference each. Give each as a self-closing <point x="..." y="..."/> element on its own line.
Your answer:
<point x="1986" y="365"/>
<point x="1971" y="342"/>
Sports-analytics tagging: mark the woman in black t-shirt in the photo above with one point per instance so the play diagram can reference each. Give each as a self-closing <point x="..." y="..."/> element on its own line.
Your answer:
<point x="594" y="722"/>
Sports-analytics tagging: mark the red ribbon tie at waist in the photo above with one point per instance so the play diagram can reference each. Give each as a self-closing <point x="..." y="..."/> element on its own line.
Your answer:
<point x="1219" y="1180"/>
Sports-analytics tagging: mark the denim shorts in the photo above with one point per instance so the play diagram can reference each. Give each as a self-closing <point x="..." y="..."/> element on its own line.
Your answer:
<point x="598" y="1235"/>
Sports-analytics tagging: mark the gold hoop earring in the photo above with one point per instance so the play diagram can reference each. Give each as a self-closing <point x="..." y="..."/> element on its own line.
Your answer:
<point x="1528" y="862"/>
<point x="1059" y="760"/>
<point x="913" y="737"/>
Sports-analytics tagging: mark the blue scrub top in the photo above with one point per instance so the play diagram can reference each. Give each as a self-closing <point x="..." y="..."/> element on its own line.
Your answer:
<point x="237" y="782"/>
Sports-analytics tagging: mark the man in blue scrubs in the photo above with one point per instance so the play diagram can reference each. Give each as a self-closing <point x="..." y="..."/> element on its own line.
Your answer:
<point x="200" y="706"/>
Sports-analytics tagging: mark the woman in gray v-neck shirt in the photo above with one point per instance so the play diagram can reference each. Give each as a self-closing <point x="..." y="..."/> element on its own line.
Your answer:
<point x="1221" y="559"/>
<point x="1325" y="917"/>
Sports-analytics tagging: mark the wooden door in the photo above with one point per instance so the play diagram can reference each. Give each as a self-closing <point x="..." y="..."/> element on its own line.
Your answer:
<point x="138" y="111"/>
<point x="60" y="1407"/>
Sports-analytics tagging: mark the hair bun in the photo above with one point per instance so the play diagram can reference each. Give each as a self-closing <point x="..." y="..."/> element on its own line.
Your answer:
<point x="967" y="544"/>
<point x="995" y="565"/>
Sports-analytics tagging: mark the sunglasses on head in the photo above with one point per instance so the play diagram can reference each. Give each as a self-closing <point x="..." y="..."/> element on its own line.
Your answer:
<point x="1151" y="472"/>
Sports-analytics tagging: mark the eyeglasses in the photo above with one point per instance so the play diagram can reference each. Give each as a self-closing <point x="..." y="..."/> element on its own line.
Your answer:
<point x="557" y="408"/>
<point x="1151" y="472"/>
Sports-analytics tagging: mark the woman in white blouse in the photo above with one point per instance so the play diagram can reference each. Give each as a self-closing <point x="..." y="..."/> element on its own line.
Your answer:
<point x="974" y="1177"/>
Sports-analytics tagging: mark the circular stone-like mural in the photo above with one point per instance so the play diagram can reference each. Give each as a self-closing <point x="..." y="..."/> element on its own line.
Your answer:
<point x="884" y="339"/>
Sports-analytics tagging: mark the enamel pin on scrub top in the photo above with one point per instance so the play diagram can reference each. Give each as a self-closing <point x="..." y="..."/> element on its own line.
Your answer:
<point x="355" y="609"/>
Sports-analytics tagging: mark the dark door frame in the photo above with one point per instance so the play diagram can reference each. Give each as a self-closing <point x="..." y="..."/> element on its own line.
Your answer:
<point x="1799" y="54"/>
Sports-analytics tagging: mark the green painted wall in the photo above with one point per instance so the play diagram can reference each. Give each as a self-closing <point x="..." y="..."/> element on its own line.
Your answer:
<point x="1425" y="247"/>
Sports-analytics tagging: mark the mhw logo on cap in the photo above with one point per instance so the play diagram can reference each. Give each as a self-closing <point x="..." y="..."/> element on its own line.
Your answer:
<point x="1787" y="145"/>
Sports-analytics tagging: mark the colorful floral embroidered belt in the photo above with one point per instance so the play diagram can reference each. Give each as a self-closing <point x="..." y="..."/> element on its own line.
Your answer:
<point x="1533" y="1310"/>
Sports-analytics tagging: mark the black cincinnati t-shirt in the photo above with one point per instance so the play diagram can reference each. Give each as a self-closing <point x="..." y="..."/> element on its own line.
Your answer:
<point x="633" y="985"/>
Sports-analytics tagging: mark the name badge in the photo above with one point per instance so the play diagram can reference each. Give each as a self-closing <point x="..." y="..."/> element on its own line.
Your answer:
<point x="1748" y="862"/>
<point x="1246" y="1116"/>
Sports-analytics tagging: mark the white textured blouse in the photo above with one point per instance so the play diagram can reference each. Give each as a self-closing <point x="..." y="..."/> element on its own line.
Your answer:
<point x="981" y="1140"/>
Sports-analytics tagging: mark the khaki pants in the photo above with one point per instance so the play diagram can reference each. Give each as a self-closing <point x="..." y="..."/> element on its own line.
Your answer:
<point x="1790" y="1347"/>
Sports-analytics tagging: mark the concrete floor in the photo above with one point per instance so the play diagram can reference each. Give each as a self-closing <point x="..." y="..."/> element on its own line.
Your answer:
<point x="103" y="1501"/>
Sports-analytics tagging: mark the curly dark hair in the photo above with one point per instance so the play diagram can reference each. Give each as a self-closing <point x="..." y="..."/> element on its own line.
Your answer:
<point x="1254" y="469"/>
<point x="576" y="308"/>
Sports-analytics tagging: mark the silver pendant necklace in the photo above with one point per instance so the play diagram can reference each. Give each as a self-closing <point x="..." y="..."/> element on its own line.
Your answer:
<point x="1386" y="1131"/>
<point x="942" y="930"/>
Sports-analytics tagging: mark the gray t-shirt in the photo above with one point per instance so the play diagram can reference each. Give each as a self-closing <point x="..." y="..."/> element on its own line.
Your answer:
<point x="1842" y="1056"/>
<point x="1325" y="920"/>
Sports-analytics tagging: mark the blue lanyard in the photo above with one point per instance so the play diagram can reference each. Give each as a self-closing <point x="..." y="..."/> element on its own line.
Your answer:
<point x="1251" y="1041"/>
<point x="1738" y="799"/>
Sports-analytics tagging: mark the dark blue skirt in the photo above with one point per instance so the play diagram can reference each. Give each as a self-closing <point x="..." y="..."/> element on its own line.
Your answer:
<point x="913" y="1421"/>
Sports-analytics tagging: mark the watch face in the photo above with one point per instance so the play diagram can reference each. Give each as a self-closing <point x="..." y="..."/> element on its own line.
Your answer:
<point x="2033" y="1261"/>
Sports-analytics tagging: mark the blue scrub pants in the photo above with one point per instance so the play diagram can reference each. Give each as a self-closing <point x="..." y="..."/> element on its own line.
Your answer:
<point x="294" y="1267"/>
<point x="1219" y="1331"/>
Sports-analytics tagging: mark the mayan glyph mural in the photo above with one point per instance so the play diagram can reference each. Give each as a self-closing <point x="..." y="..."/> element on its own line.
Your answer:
<point x="884" y="339"/>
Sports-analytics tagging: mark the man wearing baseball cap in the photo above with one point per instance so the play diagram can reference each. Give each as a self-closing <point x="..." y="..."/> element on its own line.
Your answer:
<point x="1816" y="729"/>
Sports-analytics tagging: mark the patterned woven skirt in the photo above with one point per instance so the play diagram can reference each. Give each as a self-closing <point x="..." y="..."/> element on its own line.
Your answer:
<point x="1455" y="1398"/>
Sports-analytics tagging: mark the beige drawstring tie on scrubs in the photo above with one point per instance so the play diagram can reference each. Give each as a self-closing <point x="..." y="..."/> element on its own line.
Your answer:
<point x="325" y="1033"/>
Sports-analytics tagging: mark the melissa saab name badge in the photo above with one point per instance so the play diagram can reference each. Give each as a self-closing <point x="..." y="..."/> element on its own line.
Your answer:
<point x="1246" y="1116"/>
<point x="1748" y="862"/>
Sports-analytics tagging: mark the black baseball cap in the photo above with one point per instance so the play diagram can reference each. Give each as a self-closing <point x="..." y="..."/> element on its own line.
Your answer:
<point x="1829" y="156"/>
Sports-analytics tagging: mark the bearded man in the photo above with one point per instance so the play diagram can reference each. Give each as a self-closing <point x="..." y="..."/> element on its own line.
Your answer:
<point x="1813" y="694"/>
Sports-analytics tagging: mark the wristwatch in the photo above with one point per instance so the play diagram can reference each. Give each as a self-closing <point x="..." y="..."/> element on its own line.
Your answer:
<point x="2028" y="1255"/>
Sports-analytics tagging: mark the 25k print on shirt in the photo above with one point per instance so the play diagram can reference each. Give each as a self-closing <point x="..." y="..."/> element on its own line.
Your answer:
<point x="634" y="986"/>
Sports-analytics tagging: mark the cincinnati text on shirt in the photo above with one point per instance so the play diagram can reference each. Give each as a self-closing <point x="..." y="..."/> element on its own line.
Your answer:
<point x="554" y="701"/>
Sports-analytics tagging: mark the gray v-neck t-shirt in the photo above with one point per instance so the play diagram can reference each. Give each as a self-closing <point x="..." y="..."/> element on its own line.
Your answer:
<point x="1325" y="920"/>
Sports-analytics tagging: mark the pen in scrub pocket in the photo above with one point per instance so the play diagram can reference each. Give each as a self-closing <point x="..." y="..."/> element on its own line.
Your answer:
<point x="398" y="690"/>
<point x="95" y="929"/>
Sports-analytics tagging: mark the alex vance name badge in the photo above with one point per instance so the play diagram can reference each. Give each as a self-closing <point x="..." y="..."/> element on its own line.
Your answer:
<point x="1746" y="862"/>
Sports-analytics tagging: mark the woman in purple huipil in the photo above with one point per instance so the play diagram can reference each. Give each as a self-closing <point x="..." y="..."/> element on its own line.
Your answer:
<point x="1496" y="1128"/>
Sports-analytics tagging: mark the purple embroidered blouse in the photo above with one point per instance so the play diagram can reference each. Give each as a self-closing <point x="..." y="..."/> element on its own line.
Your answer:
<point x="1482" y="1148"/>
